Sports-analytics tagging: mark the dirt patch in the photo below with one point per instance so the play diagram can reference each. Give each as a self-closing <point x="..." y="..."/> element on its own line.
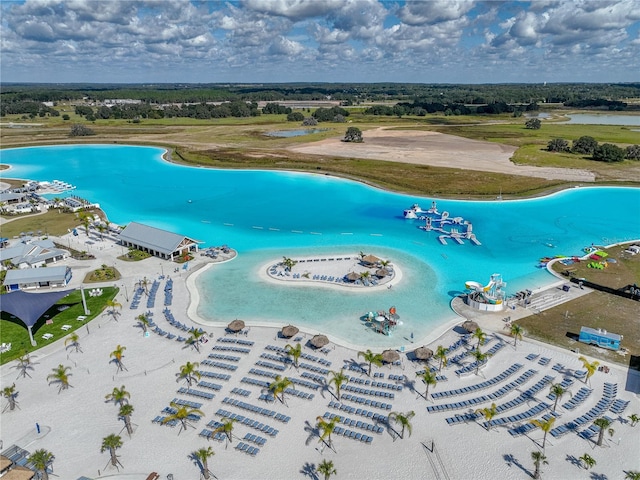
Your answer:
<point x="439" y="150"/>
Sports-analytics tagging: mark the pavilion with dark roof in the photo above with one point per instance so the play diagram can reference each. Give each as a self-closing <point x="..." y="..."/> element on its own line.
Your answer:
<point x="159" y="243"/>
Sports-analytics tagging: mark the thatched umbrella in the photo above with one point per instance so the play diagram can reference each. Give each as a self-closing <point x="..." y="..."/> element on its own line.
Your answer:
<point x="289" y="331"/>
<point x="319" y="341"/>
<point x="371" y="259"/>
<point x="390" y="356"/>
<point x="352" y="276"/>
<point x="236" y="325"/>
<point x="470" y="326"/>
<point x="423" y="353"/>
<point x="381" y="272"/>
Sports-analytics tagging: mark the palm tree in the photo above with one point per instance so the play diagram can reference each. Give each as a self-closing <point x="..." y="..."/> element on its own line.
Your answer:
<point x="118" y="355"/>
<point x="588" y="461"/>
<point x="143" y="322"/>
<point x="371" y="358"/>
<point x="144" y="284"/>
<point x="516" y="332"/>
<point x="194" y="338"/>
<point x="203" y="455"/>
<point x="288" y="263"/>
<point x="24" y="365"/>
<point x="226" y="428"/>
<point x="189" y="372"/>
<point x="73" y="339"/>
<point x="183" y="415"/>
<point x="85" y="219"/>
<point x="327" y="469"/>
<point x="338" y="379"/>
<point x="538" y="459"/>
<point x="41" y="460"/>
<point x="481" y="336"/>
<point x="488" y="413"/>
<point x="365" y="275"/>
<point x="125" y="414"/>
<point x="61" y="376"/>
<point x="113" y="308"/>
<point x="631" y="475"/>
<point x="441" y="355"/>
<point x="294" y="352"/>
<point x="403" y="419"/>
<point x="326" y="428"/>
<point x="479" y="357"/>
<point x="278" y="386"/>
<point x="545" y="426"/>
<point x="558" y="392"/>
<point x="591" y="368"/>
<point x="604" y="424"/>
<point x="634" y="418"/>
<point x="101" y="228"/>
<point x="429" y="378"/>
<point x="112" y="443"/>
<point x="118" y="395"/>
<point x="10" y="394"/>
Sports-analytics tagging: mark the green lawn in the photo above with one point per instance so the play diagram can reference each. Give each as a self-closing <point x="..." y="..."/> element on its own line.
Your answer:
<point x="15" y="332"/>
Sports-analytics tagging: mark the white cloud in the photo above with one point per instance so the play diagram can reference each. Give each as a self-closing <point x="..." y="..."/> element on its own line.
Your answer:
<point x="436" y="11"/>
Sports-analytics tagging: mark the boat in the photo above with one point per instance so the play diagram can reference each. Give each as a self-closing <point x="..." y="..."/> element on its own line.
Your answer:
<point x="413" y="212"/>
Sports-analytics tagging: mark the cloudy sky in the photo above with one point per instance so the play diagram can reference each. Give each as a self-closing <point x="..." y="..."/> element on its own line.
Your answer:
<point x="421" y="41"/>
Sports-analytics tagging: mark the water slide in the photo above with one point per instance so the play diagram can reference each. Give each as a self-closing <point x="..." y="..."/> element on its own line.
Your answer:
<point x="477" y="286"/>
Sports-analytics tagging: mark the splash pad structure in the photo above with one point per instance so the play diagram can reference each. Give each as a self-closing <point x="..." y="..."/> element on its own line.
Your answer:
<point x="489" y="297"/>
<point x="452" y="228"/>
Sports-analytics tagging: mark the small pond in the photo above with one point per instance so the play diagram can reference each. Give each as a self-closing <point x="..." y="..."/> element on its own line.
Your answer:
<point x="295" y="133"/>
<point x="591" y="119"/>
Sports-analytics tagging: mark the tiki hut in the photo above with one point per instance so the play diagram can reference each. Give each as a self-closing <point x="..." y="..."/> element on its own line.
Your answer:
<point x="370" y="259"/>
<point x="319" y="341"/>
<point x="381" y="273"/>
<point x="423" y="353"/>
<point x="289" y="331"/>
<point x="235" y="326"/>
<point x="390" y="356"/>
<point x="352" y="276"/>
<point x="470" y="326"/>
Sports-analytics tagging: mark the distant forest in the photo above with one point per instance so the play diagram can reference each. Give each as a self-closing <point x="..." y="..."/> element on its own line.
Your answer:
<point x="410" y="99"/>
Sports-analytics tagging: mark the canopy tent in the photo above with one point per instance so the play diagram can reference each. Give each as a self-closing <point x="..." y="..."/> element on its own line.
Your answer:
<point x="29" y="307"/>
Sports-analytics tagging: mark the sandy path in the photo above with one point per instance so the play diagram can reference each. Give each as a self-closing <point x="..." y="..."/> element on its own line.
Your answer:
<point x="438" y="150"/>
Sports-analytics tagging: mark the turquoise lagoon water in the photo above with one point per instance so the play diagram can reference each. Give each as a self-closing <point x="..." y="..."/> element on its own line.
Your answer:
<point x="267" y="215"/>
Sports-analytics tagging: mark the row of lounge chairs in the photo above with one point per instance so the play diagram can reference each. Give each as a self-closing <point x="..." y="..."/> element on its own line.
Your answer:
<point x="255" y="381"/>
<point x="169" y="335"/>
<point x="214" y="363"/>
<point x="229" y="348"/>
<point x="593" y="429"/>
<point x="252" y="408"/>
<point x="208" y="434"/>
<point x="607" y="400"/>
<point x="241" y="391"/>
<point x="527" y="427"/>
<point x="219" y="376"/>
<point x="313" y="358"/>
<point x="262" y="373"/>
<point x="280" y="368"/>
<point x="241" y="419"/>
<point x="196" y="393"/>
<point x="135" y="300"/>
<point x="168" y="293"/>
<point x="349" y="422"/>
<point x="619" y="406"/>
<point x="354" y="367"/>
<point x="313" y="368"/>
<point x="276" y="358"/>
<point x="484" y="398"/>
<point x="578" y="398"/>
<point x="353" y="435"/>
<point x="479" y="386"/>
<point x="565" y="384"/>
<point x="525" y="396"/>
<point x="151" y="296"/>
<point x="532" y="412"/>
<point x="239" y="341"/>
<point x="378" y="417"/>
<point x="219" y="356"/>
<point x="172" y="411"/>
<point x="186" y="403"/>
<point x="174" y="323"/>
<point x="461" y="342"/>
<point x="532" y="356"/>
<point x="316" y="378"/>
<point x="474" y="365"/>
<point x="304" y="383"/>
<point x="160" y="420"/>
<point x="366" y="401"/>
<point x="299" y="394"/>
<point x="212" y="386"/>
<point x="366" y="391"/>
<point x="246" y="448"/>
<point x="257" y="439"/>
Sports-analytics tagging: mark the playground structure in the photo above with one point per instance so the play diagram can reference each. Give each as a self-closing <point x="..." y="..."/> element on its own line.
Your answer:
<point x="453" y="228"/>
<point x="381" y="321"/>
<point x="489" y="297"/>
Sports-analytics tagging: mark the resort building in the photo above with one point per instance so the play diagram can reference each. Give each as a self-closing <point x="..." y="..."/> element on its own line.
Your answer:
<point x="32" y="254"/>
<point x="157" y="242"/>
<point x="33" y="278"/>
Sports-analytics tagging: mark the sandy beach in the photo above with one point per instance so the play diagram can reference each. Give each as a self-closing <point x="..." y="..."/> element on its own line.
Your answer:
<point x="74" y="421"/>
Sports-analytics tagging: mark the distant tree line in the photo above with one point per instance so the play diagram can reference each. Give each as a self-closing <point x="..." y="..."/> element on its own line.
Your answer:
<point x="28" y="108"/>
<point x="421" y="107"/>
<point x="576" y="95"/>
<point x="585" y="145"/>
